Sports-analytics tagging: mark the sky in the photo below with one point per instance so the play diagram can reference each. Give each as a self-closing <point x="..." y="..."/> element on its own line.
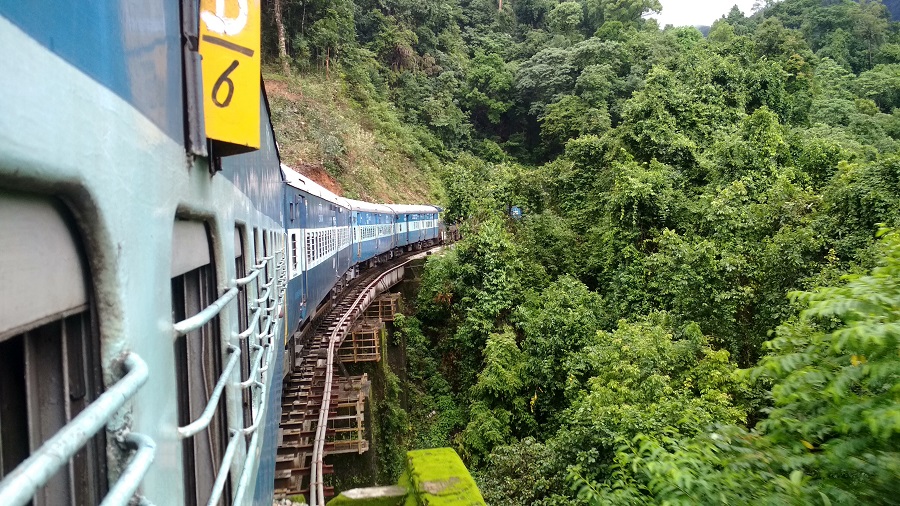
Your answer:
<point x="698" y="12"/>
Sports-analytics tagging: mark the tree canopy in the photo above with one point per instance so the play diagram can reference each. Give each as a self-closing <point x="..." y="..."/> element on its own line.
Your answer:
<point x="699" y="303"/>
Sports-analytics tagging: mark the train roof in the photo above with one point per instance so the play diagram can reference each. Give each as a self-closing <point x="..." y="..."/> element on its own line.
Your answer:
<point x="368" y="207"/>
<point x="301" y="182"/>
<point x="413" y="209"/>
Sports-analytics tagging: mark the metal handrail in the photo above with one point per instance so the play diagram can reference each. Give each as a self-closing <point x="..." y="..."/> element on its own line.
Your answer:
<point x="254" y="322"/>
<point x="131" y="477"/>
<point x="209" y="312"/>
<point x="206" y="417"/>
<point x="259" y="413"/>
<point x="20" y="486"/>
<point x="246" y="472"/>
<point x="248" y="278"/>
<point x="251" y="377"/>
<point x="224" y="468"/>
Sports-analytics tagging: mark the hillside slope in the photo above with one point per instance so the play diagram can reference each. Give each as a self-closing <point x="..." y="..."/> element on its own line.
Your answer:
<point x="357" y="154"/>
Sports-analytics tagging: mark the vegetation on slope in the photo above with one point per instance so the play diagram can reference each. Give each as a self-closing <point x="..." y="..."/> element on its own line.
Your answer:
<point x="365" y="154"/>
<point x="696" y="307"/>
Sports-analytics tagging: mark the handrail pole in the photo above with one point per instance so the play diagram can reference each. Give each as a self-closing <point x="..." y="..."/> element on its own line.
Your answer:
<point x="222" y="475"/>
<point x="130" y="479"/>
<point x="206" y="417"/>
<point x="203" y="317"/>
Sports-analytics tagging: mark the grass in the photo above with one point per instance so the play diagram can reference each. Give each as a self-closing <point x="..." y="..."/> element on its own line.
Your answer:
<point x="356" y="152"/>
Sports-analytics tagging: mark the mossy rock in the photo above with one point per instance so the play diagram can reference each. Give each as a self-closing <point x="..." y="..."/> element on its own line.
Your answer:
<point x="438" y="477"/>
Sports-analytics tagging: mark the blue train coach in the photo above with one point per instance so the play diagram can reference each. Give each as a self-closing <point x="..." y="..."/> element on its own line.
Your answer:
<point x="372" y="226"/>
<point x="414" y="225"/>
<point x="319" y="242"/>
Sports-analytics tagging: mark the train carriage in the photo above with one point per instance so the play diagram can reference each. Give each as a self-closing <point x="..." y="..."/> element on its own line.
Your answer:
<point x="414" y="224"/>
<point x="372" y="226"/>
<point x="149" y="283"/>
<point x="319" y="240"/>
<point x="140" y="278"/>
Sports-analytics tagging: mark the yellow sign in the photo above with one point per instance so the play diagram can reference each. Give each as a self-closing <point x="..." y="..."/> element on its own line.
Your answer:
<point x="229" y="46"/>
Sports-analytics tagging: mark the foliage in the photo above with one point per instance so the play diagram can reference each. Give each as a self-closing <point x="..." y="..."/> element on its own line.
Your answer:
<point x="677" y="184"/>
<point x="832" y="433"/>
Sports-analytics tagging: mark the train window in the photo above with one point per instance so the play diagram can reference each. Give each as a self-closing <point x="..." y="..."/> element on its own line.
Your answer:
<point x="49" y="345"/>
<point x="198" y="357"/>
<point x="293" y="253"/>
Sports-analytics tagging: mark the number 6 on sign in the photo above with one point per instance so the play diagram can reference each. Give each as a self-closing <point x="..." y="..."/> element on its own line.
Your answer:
<point x="229" y="46"/>
<point x="223" y="79"/>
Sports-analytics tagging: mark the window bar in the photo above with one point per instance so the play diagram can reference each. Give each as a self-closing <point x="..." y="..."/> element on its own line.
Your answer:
<point x="247" y="471"/>
<point x="250" y="461"/>
<point x="19" y="487"/>
<point x="206" y="417"/>
<point x="268" y="332"/>
<point x="254" y="322"/>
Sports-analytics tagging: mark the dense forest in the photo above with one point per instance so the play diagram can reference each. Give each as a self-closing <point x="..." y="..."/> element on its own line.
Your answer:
<point x="701" y="300"/>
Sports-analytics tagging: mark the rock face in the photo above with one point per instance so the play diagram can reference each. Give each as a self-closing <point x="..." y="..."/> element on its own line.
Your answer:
<point x="435" y="477"/>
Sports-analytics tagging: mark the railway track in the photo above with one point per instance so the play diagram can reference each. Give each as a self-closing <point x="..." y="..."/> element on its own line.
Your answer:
<point x="313" y="403"/>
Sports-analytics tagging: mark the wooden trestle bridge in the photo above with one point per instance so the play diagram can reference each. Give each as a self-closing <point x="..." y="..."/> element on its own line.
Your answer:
<point x="323" y="412"/>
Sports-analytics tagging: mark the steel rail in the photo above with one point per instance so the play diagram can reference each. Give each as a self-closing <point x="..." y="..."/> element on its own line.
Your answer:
<point x="316" y="484"/>
<point x="19" y="486"/>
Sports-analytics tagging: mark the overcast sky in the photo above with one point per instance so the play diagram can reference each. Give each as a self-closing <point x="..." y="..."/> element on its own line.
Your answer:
<point x="698" y="12"/>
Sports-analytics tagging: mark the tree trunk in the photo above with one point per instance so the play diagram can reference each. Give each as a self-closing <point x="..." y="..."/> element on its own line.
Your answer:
<point x="282" y="42"/>
<point x="499" y="5"/>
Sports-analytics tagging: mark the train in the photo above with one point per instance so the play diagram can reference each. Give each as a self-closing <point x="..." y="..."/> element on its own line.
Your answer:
<point x="153" y="277"/>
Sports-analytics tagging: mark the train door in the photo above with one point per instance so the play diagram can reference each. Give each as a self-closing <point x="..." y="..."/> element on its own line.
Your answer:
<point x="354" y="221"/>
<point x="304" y="267"/>
<point x="334" y="242"/>
<point x="405" y="228"/>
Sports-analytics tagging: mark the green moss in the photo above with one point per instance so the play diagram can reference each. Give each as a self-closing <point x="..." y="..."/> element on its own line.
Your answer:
<point x="440" y="478"/>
